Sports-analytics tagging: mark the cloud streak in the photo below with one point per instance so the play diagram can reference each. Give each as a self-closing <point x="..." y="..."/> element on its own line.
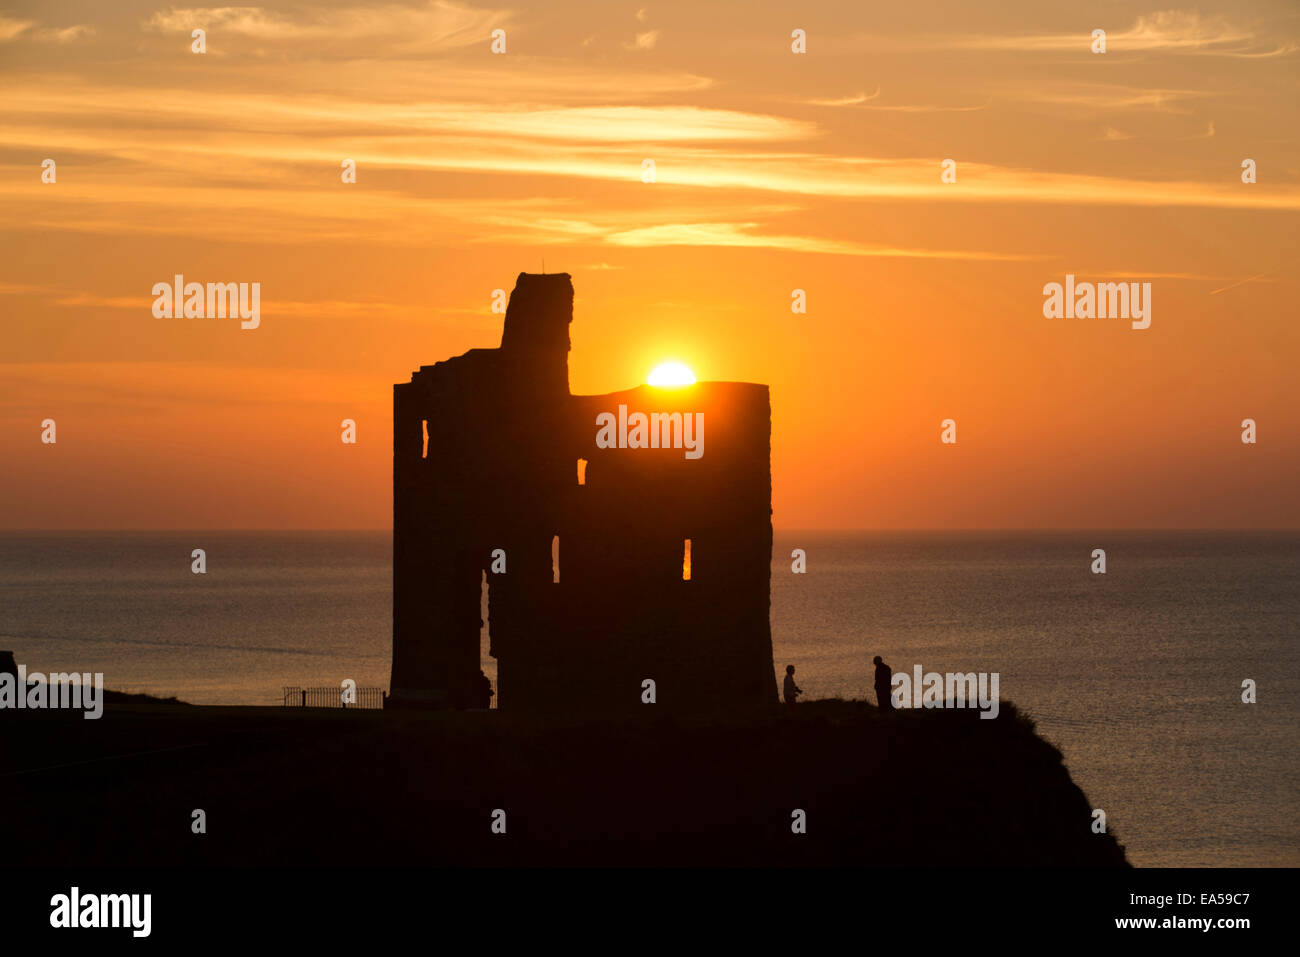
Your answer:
<point x="743" y="235"/>
<point x="440" y="25"/>
<point x="1165" y="31"/>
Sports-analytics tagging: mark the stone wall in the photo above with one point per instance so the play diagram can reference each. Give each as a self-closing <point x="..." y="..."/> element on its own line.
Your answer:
<point x="501" y="471"/>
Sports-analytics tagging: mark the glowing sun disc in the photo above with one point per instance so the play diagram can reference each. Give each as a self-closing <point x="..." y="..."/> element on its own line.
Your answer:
<point x="672" y="374"/>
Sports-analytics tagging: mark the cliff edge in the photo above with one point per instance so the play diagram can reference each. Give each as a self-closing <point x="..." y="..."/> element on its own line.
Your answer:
<point x="299" y="787"/>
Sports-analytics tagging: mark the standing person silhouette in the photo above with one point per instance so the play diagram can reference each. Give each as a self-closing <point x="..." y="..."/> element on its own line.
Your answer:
<point x="485" y="691"/>
<point x="883" y="675"/>
<point x="789" y="688"/>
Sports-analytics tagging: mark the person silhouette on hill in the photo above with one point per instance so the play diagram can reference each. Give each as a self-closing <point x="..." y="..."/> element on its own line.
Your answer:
<point x="790" y="690"/>
<point x="485" y="691"/>
<point x="883" y="675"/>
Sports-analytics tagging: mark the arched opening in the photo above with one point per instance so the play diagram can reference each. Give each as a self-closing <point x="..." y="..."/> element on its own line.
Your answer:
<point x="555" y="560"/>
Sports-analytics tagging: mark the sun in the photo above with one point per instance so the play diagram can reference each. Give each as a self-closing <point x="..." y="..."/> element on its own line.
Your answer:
<point x="671" y="374"/>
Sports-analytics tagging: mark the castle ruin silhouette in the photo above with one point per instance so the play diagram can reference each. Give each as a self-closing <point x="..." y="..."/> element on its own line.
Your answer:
<point x="486" y="450"/>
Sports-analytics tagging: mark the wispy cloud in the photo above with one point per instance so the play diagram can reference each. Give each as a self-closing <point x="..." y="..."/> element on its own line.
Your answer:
<point x="843" y="100"/>
<point x="432" y="26"/>
<point x="277" y="187"/>
<point x="1109" y="98"/>
<point x="1165" y="31"/>
<point x="1186" y="31"/>
<point x="637" y="124"/>
<point x="258" y="155"/>
<point x="644" y="41"/>
<point x="927" y="107"/>
<point x="22" y="289"/>
<point x="744" y="235"/>
<point x="72" y="34"/>
<point x="864" y="101"/>
<point x="23" y="30"/>
<point x="10" y="28"/>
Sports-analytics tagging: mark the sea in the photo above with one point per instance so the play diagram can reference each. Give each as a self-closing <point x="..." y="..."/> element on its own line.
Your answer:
<point x="1137" y="675"/>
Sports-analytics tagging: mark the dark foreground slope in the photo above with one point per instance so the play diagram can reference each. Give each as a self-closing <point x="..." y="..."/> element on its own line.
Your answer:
<point x="356" y="788"/>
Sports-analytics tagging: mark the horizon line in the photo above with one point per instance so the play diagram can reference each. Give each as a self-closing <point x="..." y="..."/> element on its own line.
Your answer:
<point x="920" y="529"/>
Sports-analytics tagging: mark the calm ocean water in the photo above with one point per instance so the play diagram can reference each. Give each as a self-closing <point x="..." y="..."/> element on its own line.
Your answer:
<point x="1135" y="675"/>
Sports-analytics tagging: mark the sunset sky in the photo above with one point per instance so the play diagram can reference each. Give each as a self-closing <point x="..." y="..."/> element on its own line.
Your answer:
<point x="775" y="171"/>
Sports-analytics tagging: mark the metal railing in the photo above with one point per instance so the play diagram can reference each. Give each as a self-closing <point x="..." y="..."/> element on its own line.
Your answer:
<point x="332" y="697"/>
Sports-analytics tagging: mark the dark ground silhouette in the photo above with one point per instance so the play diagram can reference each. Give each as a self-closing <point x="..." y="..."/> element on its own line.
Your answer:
<point x="289" y="786"/>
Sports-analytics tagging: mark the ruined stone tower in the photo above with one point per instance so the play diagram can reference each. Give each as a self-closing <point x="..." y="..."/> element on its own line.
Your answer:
<point x="486" y="450"/>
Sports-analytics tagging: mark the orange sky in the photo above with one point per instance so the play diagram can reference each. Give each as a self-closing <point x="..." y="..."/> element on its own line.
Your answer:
<point x="775" y="171"/>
